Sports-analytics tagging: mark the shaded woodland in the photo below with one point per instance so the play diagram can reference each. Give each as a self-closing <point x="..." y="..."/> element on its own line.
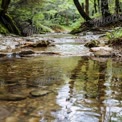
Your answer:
<point x="25" y="17"/>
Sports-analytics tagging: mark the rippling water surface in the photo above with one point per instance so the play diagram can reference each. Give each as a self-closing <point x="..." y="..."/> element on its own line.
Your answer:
<point x="82" y="90"/>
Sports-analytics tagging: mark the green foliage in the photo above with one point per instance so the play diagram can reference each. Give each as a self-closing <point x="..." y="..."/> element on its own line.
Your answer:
<point x="3" y="30"/>
<point x="115" y="37"/>
<point x="49" y="13"/>
<point x="56" y="27"/>
<point x="42" y="29"/>
<point x="77" y="23"/>
<point x="116" y="33"/>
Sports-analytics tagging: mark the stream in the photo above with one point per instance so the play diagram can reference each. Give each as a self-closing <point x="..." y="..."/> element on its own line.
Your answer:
<point x="70" y="87"/>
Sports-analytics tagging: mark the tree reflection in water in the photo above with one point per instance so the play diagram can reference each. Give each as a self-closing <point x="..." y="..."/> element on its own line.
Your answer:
<point x="94" y="92"/>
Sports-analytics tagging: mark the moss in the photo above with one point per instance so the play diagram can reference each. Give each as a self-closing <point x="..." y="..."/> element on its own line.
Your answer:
<point x="12" y="26"/>
<point x="83" y="27"/>
<point x="3" y="30"/>
<point x="77" y="30"/>
<point x="93" y="43"/>
<point x="43" y="29"/>
<point x="8" y="25"/>
<point x="57" y="28"/>
<point x="116" y="33"/>
<point x="117" y="41"/>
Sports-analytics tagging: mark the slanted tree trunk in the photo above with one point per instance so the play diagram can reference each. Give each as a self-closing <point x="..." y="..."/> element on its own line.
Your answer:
<point x="105" y="9"/>
<point x="6" y="20"/>
<point x="81" y="11"/>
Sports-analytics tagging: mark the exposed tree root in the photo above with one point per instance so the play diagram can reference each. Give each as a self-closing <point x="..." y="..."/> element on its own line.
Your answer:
<point x="7" y="21"/>
<point x="97" y="24"/>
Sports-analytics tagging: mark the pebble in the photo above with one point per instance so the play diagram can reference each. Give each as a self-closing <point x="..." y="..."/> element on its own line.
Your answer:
<point x="11" y="119"/>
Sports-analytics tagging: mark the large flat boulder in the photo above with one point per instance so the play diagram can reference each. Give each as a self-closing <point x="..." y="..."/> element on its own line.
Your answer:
<point x="102" y="51"/>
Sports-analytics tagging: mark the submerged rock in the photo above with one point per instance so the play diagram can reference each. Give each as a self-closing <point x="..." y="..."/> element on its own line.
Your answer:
<point x="12" y="97"/>
<point x="3" y="113"/>
<point x="26" y="52"/>
<point x="2" y="54"/>
<point x="39" y="93"/>
<point x="34" y="119"/>
<point x="11" y="119"/>
<point x="51" y="53"/>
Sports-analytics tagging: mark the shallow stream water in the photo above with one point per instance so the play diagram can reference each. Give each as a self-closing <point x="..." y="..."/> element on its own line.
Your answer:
<point x="82" y="89"/>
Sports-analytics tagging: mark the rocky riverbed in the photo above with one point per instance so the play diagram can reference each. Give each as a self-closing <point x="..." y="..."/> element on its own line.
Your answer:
<point x="54" y="77"/>
<point x="55" y="88"/>
<point x="59" y="44"/>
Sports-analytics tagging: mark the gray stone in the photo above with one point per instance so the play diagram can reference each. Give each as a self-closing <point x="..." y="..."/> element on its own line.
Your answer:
<point x="12" y="97"/>
<point x="3" y="113"/>
<point x="1" y="35"/>
<point x="39" y="93"/>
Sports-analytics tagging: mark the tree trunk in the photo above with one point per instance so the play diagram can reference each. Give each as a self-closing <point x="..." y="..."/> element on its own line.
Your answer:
<point x="87" y="7"/>
<point x="117" y="6"/>
<point x="95" y="6"/>
<point x="105" y="9"/>
<point x="98" y="2"/>
<point x="83" y="6"/>
<point x="4" y="5"/>
<point x="81" y="11"/>
<point x="6" y="20"/>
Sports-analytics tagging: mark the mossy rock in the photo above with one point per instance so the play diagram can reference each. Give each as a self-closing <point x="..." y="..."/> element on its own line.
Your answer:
<point x="117" y="41"/>
<point x="26" y="52"/>
<point x="12" y="97"/>
<point x="8" y="25"/>
<point x="93" y="43"/>
<point x="77" y="30"/>
<point x="3" y="30"/>
<point x="39" y="93"/>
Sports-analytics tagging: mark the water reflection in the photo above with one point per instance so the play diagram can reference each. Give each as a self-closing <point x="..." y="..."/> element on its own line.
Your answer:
<point x="93" y="93"/>
<point x="82" y="90"/>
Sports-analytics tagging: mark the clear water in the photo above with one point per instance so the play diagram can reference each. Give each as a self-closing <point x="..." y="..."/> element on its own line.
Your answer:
<point x="83" y="90"/>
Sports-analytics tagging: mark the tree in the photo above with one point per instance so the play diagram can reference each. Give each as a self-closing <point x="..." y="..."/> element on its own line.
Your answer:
<point x="117" y="6"/>
<point x="87" y="6"/>
<point x="4" y="6"/>
<point x="81" y="11"/>
<point x="95" y="6"/>
<point x="105" y="9"/>
<point x="6" y="20"/>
